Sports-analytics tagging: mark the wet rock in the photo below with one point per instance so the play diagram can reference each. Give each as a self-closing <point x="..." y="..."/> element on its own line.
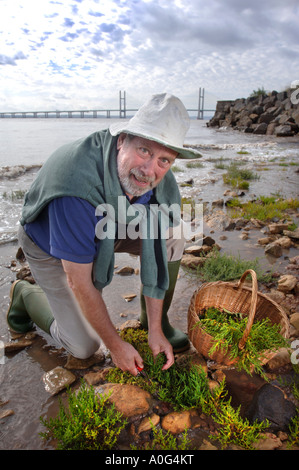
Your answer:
<point x="294" y="234"/>
<point x="93" y="378"/>
<point x="126" y="270"/>
<point x="148" y="422"/>
<point x="277" y="228"/>
<point x="284" y="131"/>
<point x="287" y="283"/>
<point x="57" y="379"/>
<point x="284" y="242"/>
<point x="129" y="297"/>
<point x="129" y="400"/>
<point x="80" y="364"/>
<point x="177" y="421"/>
<point x="6" y="413"/>
<point x="273" y="249"/>
<point x="269" y="403"/>
<point x="13" y="346"/>
<point x="191" y="261"/>
<point x="265" y="240"/>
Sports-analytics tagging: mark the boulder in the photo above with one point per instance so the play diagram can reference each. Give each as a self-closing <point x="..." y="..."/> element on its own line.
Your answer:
<point x="129" y="400"/>
<point x="284" y="131"/>
<point x="269" y="403"/>
<point x="287" y="283"/>
<point x="273" y="249"/>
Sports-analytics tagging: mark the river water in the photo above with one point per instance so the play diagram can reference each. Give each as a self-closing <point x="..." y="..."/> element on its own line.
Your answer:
<point x="24" y="145"/>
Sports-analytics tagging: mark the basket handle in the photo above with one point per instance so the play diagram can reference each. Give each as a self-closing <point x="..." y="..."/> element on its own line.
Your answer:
<point x="252" y="310"/>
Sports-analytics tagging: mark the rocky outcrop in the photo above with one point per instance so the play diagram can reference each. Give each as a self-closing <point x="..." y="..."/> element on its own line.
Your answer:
<point x="274" y="113"/>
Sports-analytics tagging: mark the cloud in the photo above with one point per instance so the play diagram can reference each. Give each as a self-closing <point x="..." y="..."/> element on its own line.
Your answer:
<point x="230" y="47"/>
<point x="5" y="60"/>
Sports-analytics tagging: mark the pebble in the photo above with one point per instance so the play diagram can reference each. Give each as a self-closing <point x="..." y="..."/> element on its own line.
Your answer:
<point x="57" y="379"/>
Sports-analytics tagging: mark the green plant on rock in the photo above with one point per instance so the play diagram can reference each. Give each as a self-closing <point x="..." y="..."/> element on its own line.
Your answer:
<point x="89" y="423"/>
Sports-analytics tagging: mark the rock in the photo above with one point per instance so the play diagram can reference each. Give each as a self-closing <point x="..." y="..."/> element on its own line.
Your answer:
<point x="284" y="131"/>
<point x="75" y="363"/>
<point x="197" y="250"/>
<point x="130" y="324"/>
<point x="193" y="250"/>
<point x="260" y="128"/>
<point x="294" y="321"/>
<point x="129" y="400"/>
<point x="93" y="378"/>
<point x="287" y="283"/>
<point x="268" y="441"/>
<point x="277" y="228"/>
<point x="126" y="270"/>
<point x="12" y="346"/>
<point x="273" y="249"/>
<point x="129" y="297"/>
<point x="148" y="422"/>
<point x="6" y="413"/>
<point x="57" y="379"/>
<point x="292" y="234"/>
<point x="191" y="261"/>
<point x="284" y="242"/>
<point x="207" y="445"/>
<point x="177" y="421"/>
<point x="218" y="203"/>
<point x="282" y="358"/>
<point x="265" y="240"/>
<point x="269" y="403"/>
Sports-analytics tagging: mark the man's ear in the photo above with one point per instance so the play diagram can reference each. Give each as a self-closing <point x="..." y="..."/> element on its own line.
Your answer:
<point x="120" y="140"/>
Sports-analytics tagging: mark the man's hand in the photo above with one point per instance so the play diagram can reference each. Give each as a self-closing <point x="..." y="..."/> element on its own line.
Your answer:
<point x="159" y="344"/>
<point x="156" y="338"/>
<point x="127" y="358"/>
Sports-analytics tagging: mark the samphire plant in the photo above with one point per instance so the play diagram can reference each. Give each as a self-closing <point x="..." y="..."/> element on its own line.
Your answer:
<point x="89" y="422"/>
<point x="227" y="330"/>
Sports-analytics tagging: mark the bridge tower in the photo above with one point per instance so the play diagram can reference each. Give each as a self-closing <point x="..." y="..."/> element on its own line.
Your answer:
<point x="122" y="105"/>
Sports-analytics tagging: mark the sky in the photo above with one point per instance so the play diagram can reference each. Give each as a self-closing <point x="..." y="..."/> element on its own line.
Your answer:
<point x="78" y="54"/>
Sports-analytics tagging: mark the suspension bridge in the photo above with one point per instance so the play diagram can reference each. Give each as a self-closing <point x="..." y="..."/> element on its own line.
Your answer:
<point x="121" y="112"/>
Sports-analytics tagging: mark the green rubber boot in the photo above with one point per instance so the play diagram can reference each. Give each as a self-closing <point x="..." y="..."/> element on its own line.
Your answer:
<point x="177" y="338"/>
<point x="28" y="305"/>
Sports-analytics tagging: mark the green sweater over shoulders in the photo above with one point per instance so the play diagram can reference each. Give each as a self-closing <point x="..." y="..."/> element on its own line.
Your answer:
<point x="87" y="169"/>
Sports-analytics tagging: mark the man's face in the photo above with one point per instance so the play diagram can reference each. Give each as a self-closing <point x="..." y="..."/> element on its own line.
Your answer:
<point x="142" y="164"/>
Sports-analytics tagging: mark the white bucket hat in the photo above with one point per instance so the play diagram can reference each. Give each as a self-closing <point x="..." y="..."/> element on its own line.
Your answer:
<point x="164" y="119"/>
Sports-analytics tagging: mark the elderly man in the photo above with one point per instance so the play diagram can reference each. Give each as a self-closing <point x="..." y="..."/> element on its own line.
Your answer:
<point x="70" y="255"/>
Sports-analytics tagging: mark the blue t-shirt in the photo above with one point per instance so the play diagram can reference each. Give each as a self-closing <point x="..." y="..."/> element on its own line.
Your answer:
<point x="65" y="229"/>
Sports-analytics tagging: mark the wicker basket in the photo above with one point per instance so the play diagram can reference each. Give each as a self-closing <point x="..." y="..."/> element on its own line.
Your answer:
<point x="236" y="298"/>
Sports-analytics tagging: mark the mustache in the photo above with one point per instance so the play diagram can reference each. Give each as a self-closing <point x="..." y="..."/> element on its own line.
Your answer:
<point x="141" y="177"/>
